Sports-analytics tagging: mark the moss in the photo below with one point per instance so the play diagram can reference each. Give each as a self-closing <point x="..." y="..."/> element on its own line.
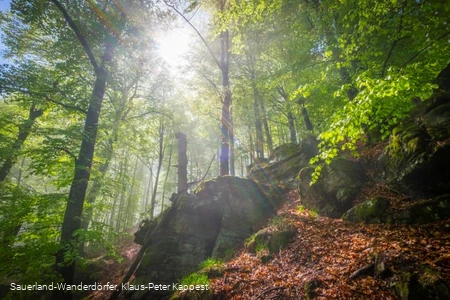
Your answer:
<point x="401" y="288"/>
<point x="370" y="211"/>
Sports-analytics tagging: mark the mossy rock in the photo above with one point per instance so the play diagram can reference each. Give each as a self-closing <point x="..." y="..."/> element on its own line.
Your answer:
<point x="370" y="211"/>
<point x="273" y="240"/>
<point x="145" y="227"/>
<point x="426" y="284"/>
<point x="437" y="122"/>
<point x="435" y="210"/>
<point x="333" y="193"/>
<point x="310" y="288"/>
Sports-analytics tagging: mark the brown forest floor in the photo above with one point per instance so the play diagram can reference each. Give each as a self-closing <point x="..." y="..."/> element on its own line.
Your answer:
<point x="327" y="251"/>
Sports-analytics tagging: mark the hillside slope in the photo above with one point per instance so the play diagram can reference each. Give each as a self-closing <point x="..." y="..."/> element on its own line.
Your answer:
<point x="325" y="252"/>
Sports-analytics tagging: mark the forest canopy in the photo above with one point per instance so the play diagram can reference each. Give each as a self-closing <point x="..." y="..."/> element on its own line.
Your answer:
<point x="93" y="93"/>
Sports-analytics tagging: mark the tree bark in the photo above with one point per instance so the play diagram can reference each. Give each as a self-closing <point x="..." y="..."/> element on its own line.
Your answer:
<point x="167" y="176"/>
<point x="226" y="117"/>
<point x="291" y="122"/>
<point x="182" y="163"/>
<point x="96" y="186"/>
<point x="74" y="208"/>
<point x="24" y="131"/>
<point x="256" y="110"/>
<point x="232" y="149"/>
<point x="306" y="119"/>
<point x="266" y="127"/>
<point x="158" y="170"/>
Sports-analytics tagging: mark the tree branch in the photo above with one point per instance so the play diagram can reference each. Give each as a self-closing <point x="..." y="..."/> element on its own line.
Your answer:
<point x="425" y="48"/>
<point x="80" y="36"/>
<point x="66" y="105"/>
<point x="195" y="29"/>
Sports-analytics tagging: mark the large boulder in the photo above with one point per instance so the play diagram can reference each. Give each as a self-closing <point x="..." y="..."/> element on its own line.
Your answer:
<point x="370" y="211"/>
<point x="285" y="163"/>
<point x="334" y="192"/>
<point x="416" y="160"/>
<point x="210" y="223"/>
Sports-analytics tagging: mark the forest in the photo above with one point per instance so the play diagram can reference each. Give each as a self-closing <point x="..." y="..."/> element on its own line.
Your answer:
<point x="225" y="149"/>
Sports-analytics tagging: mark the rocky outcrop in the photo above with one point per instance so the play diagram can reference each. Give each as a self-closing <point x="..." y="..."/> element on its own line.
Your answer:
<point x="285" y="163"/>
<point x="370" y="211"/>
<point x="334" y="192"/>
<point x="210" y="223"/>
<point x="416" y="160"/>
<point x="421" y="285"/>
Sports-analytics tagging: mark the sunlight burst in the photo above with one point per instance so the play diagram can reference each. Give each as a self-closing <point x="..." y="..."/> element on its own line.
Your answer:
<point x="173" y="47"/>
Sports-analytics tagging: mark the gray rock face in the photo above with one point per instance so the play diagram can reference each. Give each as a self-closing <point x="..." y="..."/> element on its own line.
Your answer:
<point x="211" y="223"/>
<point x="285" y="163"/>
<point x="417" y="161"/>
<point x="335" y="190"/>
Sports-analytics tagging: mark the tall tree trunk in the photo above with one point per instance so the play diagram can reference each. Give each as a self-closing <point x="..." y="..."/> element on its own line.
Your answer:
<point x="232" y="149"/>
<point x="291" y="122"/>
<point x="167" y="176"/>
<point x="289" y="115"/>
<point x="158" y="169"/>
<point x="266" y="127"/>
<point x="306" y="119"/>
<point x="123" y="193"/>
<point x="19" y="178"/>
<point x="96" y="186"/>
<point x="74" y="208"/>
<point x="24" y="131"/>
<point x="252" y="156"/>
<point x="182" y="163"/>
<point x="149" y="187"/>
<point x="226" y="117"/>
<point x="130" y="196"/>
<point x="258" y="125"/>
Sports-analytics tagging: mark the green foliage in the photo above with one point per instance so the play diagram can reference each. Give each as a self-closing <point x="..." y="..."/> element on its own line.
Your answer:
<point x="195" y="279"/>
<point x="314" y="213"/>
<point x="211" y="263"/>
<point x="261" y="247"/>
<point x="29" y="230"/>
<point x="300" y="208"/>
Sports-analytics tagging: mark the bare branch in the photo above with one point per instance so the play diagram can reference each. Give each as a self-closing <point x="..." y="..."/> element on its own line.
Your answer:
<point x="195" y="29"/>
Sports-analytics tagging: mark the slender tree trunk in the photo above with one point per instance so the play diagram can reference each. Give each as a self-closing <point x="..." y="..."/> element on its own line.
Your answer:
<point x="258" y="125"/>
<point x="252" y="156"/>
<point x="96" y="186"/>
<point x="24" y="131"/>
<point x="149" y="188"/>
<point x="130" y="197"/>
<point x="292" y="131"/>
<point x="123" y="193"/>
<point x="226" y="117"/>
<point x="167" y="176"/>
<point x="289" y="115"/>
<point x="182" y="163"/>
<point x="232" y="149"/>
<point x="19" y="178"/>
<point x="266" y="127"/>
<point x="158" y="169"/>
<point x="308" y="124"/>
